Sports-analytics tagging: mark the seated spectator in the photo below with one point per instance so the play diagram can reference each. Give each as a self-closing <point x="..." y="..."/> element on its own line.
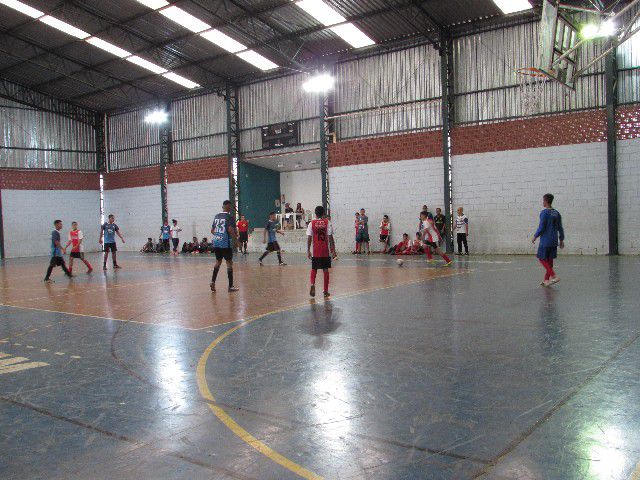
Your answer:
<point x="148" y="247"/>
<point x="416" y="246"/>
<point x="185" y="248"/>
<point x="288" y="211"/>
<point x="402" y="247"/>
<point x="159" y="247"/>
<point x="204" y="246"/>
<point x="193" y="247"/>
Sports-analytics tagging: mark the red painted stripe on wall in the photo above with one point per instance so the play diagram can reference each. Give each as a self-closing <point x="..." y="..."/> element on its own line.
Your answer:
<point x="48" y="180"/>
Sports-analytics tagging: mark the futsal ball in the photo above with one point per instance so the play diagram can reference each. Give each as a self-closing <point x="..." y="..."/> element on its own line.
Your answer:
<point x="400" y="262"/>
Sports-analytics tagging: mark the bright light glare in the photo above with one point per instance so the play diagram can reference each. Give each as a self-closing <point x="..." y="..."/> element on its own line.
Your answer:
<point x="141" y="62"/>
<point x="607" y="28"/>
<point x="108" y="47"/>
<point x="512" y="6"/>
<point x="320" y="83"/>
<point x="22" y="8"/>
<point x="64" y="27"/>
<point x="185" y="82"/>
<point x="589" y="31"/>
<point x="223" y="41"/>
<point x="257" y="60"/>
<point x="321" y="12"/>
<point x="185" y="19"/>
<point x="157" y="116"/>
<point x="155" y="4"/>
<point x="352" y="35"/>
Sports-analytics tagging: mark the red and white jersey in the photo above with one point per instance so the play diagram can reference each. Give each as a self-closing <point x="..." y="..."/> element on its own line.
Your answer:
<point x="74" y="237"/>
<point x="429" y="231"/>
<point x="320" y="230"/>
<point x="384" y="228"/>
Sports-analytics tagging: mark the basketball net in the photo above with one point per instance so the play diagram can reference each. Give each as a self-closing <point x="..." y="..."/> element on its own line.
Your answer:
<point x="531" y="81"/>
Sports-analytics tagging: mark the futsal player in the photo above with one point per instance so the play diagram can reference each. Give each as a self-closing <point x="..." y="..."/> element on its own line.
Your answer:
<point x="320" y="234"/>
<point x="549" y="231"/>
<point x="385" y="233"/>
<point x="165" y="235"/>
<point x="363" y="232"/>
<point x="223" y="229"/>
<point x="243" y="233"/>
<point x="430" y="237"/>
<point x="108" y="233"/>
<point x="77" y="248"/>
<point x="357" y="226"/>
<point x="270" y="230"/>
<point x="57" y="250"/>
<point x="175" y="235"/>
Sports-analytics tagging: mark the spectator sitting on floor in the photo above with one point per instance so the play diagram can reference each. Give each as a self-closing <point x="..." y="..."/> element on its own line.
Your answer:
<point x="402" y="247"/>
<point x="204" y="246"/>
<point x="185" y="248"/>
<point x="148" y="247"/>
<point x="194" y="246"/>
<point x="416" y="245"/>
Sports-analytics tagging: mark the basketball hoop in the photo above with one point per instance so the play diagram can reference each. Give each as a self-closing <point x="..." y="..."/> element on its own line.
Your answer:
<point x="531" y="81"/>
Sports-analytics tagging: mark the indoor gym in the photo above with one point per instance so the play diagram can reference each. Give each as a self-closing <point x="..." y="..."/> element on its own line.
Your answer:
<point x="152" y="110"/>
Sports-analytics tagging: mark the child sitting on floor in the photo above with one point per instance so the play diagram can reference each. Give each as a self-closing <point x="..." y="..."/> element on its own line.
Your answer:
<point x="401" y="247"/>
<point x="148" y="247"/>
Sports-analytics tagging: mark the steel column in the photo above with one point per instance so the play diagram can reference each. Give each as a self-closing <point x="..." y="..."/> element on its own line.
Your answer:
<point x="233" y="145"/>
<point x="448" y="96"/>
<point x="165" y="159"/>
<point x="101" y="143"/>
<point x="611" y="80"/>
<point x="327" y="132"/>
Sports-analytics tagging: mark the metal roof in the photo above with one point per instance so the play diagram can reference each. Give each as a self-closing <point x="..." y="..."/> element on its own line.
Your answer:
<point x="53" y="63"/>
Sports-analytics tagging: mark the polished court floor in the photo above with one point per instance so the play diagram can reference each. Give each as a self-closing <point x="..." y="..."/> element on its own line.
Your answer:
<point x="418" y="372"/>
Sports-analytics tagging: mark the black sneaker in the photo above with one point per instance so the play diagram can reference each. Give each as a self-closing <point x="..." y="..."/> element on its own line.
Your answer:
<point x="312" y="291"/>
<point x="117" y="266"/>
<point x="327" y="294"/>
<point x="212" y="286"/>
<point x="233" y="289"/>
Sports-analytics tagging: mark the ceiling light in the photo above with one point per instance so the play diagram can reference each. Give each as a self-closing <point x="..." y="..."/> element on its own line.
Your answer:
<point x="352" y="35"/>
<point x="108" y="47"/>
<point x="254" y="58"/>
<point x="157" y="116"/>
<point x="322" y="82"/>
<point x="22" y="8"/>
<point x="607" y="28"/>
<point x="512" y="6"/>
<point x="321" y="12"/>
<point x="141" y="62"/>
<point x="64" y="27"/>
<point x="185" y="19"/>
<point x="155" y="4"/>
<point x="589" y="31"/>
<point x="223" y="41"/>
<point x="185" y="82"/>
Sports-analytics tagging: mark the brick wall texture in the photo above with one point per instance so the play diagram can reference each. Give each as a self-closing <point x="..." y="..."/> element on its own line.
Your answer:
<point x="48" y="180"/>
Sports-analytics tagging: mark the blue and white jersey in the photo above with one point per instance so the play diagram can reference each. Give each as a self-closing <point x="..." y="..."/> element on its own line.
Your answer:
<point x="110" y="230"/>
<point x="165" y="230"/>
<point x="220" y="227"/>
<point x="271" y="227"/>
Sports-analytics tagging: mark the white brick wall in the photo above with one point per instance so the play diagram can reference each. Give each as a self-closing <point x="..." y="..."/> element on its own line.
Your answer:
<point x="28" y="217"/>
<point x="398" y="189"/>
<point x="138" y="214"/>
<point x="629" y="196"/>
<point x="501" y="193"/>
<point x="303" y="186"/>
<point x="194" y="204"/>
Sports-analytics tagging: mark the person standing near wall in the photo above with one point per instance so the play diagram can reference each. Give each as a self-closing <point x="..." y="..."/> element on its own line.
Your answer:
<point x="461" y="227"/>
<point x="165" y="235"/>
<point x="57" y="251"/>
<point x="549" y="231"/>
<point x="108" y="233"/>
<point x="175" y="235"/>
<point x="77" y="248"/>
<point x="363" y="232"/>
<point x="385" y="233"/>
<point x="243" y="234"/>
<point x="440" y="221"/>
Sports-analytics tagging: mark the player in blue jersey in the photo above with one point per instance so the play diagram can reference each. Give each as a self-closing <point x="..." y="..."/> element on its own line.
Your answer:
<point x="270" y="230"/>
<point x="108" y="233"/>
<point x="57" y="250"/>
<point x="224" y="236"/>
<point x="165" y="235"/>
<point x="549" y="231"/>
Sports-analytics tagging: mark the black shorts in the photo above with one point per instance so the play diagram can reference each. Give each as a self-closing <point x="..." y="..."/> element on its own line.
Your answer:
<point x="226" y="253"/>
<point x="273" y="247"/>
<point x="76" y="255"/>
<point x="430" y="244"/>
<point x="110" y="247"/>
<point x="56" y="261"/>
<point x="176" y="242"/>
<point x="320" y="263"/>
<point x="362" y="237"/>
<point x="243" y="237"/>
<point x="384" y="238"/>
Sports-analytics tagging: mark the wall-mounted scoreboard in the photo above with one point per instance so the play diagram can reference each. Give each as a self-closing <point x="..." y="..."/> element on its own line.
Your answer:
<point x="280" y="135"/>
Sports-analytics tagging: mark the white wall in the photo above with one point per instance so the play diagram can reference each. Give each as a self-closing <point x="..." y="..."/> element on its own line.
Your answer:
<point x="501" y="193"/>
<point x="398" y="189"/>
<point x="629" y="196"/>
<point x="194" y="204"/>
<point x="28" y="217"/>
<point x="138" y="213"/>
<point x="304" y="186"/>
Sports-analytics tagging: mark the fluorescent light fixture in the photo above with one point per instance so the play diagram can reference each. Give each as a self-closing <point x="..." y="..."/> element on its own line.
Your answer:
<point x="185" y="82"/>
<point x="22" y="8"/>
<point x="64" y="27"/>
<point x="321" y="12"/>
<point x="141" y="62"/>
<point x="223" y="41"/>
<point x="157" y="116"/>
<point x="323" y="82"/>
<point x="108" y="47"/>
<point x="257" y="60"/>
<point x="512" y="6"/>
<point x="185" y="19"/>
<point x="352" y="35"/>
<point x="155" y="4"/>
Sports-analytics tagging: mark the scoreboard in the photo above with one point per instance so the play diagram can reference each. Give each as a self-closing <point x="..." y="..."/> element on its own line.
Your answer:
<point x="280" y="135"/>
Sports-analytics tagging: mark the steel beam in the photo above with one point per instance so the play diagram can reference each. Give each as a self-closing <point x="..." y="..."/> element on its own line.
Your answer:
<point x="101" y="142"/>
<point x="233" y="146"/>
<point x="327" y="132"/>
<point x="165" y="159"/>
<point x="448" y="96"/>
<point x="611" y="81"/>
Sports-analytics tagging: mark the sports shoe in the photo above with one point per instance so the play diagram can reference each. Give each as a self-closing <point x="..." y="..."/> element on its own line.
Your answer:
<point x="546" y="283"/>
<point x="282" y="264"/>
<point x="48" y="280"/>
<point x="212" y="286"/>
<point x="260" y="262"/>
<point x="117" y="266"/>
<point x="233" y="289"/>
<point x="553" y="280"/>
<point x="327" y="294"/>
<point x="312" y="291"/>
<point x="90" y="269"/>
<point x="104" y="267"/>
<point x="448" y="263"/>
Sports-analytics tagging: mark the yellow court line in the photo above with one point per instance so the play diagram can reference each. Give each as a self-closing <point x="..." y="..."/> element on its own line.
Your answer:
<point x="230" y="423"/>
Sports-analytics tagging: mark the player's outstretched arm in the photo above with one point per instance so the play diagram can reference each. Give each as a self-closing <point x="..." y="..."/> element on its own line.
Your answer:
<point x="332" y="246"/>
<point x="120" y="235"/>
<point x="309" y="240"/>
<point x="101" y="233"/>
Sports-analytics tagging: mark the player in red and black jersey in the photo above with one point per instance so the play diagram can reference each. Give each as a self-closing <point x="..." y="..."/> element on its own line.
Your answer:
<point x="320" y="234"/>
